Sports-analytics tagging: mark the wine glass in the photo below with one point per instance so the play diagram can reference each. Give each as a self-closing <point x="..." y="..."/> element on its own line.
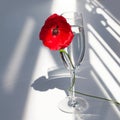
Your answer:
<point x="72" y="58"/>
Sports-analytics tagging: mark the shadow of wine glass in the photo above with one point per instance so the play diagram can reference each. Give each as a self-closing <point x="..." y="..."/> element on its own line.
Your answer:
<point x="57" y="78"/>
<point x="44" y="84"/>
<point x="62" y="83"/>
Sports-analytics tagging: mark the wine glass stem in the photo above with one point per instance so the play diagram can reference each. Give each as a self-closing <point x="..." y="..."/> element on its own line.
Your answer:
<point x="72" y="86"/>
<point x="72" y="101"/>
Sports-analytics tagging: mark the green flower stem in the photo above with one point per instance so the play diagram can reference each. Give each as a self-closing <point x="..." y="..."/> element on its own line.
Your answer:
<point x="93" y="96"/>
<point x="63" y="51"/>
<point x="73" y="82"/>
<point x="73" y="72"/>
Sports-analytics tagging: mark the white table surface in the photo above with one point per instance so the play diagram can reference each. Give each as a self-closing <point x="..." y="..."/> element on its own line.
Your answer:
<point x="26" y="93"/>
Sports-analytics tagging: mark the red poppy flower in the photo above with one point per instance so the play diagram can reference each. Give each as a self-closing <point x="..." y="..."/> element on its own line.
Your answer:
<point x="56" y="33"/>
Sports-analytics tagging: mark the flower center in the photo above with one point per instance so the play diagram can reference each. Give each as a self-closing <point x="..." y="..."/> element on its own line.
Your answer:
<point x="55" y="31"/>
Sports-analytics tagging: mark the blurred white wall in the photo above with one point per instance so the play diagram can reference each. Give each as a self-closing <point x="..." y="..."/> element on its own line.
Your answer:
<point x="23" y="59"/>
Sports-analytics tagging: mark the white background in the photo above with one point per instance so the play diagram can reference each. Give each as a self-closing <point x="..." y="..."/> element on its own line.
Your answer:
<point x="25" y="91"/>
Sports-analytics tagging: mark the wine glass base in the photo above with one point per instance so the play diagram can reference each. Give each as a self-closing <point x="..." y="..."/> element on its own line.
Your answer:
<point x="74" y="104"/>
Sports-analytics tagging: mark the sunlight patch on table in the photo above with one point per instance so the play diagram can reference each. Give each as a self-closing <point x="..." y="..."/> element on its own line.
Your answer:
<point x="60" y="6"/>
<point x="40" y="101"/>
<point x="44" y="61"/>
